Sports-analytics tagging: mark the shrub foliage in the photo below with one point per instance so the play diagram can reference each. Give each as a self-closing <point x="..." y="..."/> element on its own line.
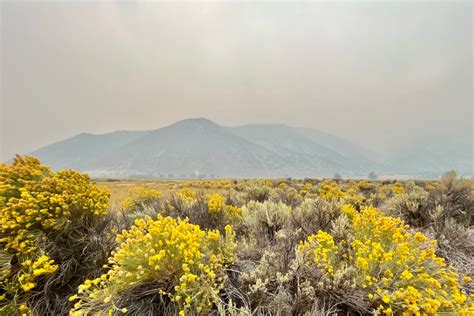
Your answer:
<point x="39" y="209"/>
<point x="173" y="262"/>
<point x="234" y="247"/>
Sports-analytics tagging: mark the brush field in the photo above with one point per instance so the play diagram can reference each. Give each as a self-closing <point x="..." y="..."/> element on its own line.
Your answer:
<point x="70" y="245"/>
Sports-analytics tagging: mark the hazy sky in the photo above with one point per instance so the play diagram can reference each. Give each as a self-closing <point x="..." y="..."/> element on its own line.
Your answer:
<point x="380" y="74"/>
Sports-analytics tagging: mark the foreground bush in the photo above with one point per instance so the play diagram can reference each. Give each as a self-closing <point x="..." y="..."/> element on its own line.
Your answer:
<point x="270" y="278"/>
<point x="325" y="257"/>
<point x="383" y="267"/>
<point x="445" y="213"/>
<point x="162" y="266"/>
<point x="47" y="236"/>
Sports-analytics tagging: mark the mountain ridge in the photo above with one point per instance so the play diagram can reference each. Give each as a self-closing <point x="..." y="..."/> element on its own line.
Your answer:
<point x="197" y="147"/>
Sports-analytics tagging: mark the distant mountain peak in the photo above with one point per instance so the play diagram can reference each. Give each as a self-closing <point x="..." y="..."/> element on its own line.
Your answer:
<point x="196" y="122"/>
<point x="84" y="134"/>
<point x="253" y="150"/>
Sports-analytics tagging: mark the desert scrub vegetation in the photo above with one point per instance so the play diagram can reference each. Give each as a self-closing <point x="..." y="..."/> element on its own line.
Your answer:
<point x="352" y="261"/>
<point x="234" y="247"/>
<point x="141" y="198"/>
<point x="399" y="270"/>
<point x="54" y="232"/>
<point x="161" y="266"/>
<point x="209" y="211"/>
<point x="444" y="212"/>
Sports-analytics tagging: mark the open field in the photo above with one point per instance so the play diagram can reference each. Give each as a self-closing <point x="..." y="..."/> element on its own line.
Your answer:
<point x="120" y="189"/>
<point x="233" y="247"/>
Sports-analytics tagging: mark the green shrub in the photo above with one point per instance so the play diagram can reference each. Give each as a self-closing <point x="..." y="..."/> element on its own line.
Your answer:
<point x="257" y="191"/>
<point x="263" y="220"/>
<point x="315" y="214"/>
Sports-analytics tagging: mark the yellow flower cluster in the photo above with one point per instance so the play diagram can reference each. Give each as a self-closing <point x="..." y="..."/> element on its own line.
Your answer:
<point x="216" y="204"/>
<point x="398" y="189"/>
<point x="140" y="196"/>
<point x="36" y="199"/>
<point x="35" y="202"/>
<point x="33" y="269"/>
<point x="329" y="190"/>
<point x="186" y="264"/>
<point x="188" y="196"/>
<point x="305" y="190"/>
<point x="325" y="251"/>
<point x="399" y="270"/>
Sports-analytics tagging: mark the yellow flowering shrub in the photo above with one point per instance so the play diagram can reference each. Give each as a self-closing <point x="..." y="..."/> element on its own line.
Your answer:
<point x="36" y="199"/>
<point x="140" y="197"/>
<point x="36" y="205"/>
<point x="188" y="194"/>
<point x="330" y="190"/>
<point x="183" y="263"/>
<point x="33" y="269"/>
<point x="216" y="204"/>
<point x="399" y="270"/>
<point x="283" y="185"/>
<point x="366" y="186"/>
<point x="305" y="189"/>
<point x="209" y="211"/>
<point x="398" y="189"/>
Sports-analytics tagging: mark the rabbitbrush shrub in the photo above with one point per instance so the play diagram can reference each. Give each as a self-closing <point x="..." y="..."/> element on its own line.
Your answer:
<point x="161" y="266"/>
<point x="446" y="213"/>
<point x="393" y="271"/>
<point x="49" y="223"/>
<point x="209" y="211"/>
<point x="141" y="198"/>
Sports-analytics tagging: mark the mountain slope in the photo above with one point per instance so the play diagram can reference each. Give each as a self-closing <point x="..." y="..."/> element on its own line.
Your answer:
<point x="360" y="158"/>
<point x="307" y="144"/>
<point x="83" y="150"/>
<point x="196" y="147"/>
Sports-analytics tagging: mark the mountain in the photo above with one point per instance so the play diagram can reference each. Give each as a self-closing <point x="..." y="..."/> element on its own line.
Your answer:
<point x="199" y="146"/>
<point x="308" y="144"/>
<point x="82" y="150"/>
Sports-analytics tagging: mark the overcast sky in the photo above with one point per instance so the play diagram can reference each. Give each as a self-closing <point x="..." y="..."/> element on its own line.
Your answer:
<point x="379" y="74"/>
